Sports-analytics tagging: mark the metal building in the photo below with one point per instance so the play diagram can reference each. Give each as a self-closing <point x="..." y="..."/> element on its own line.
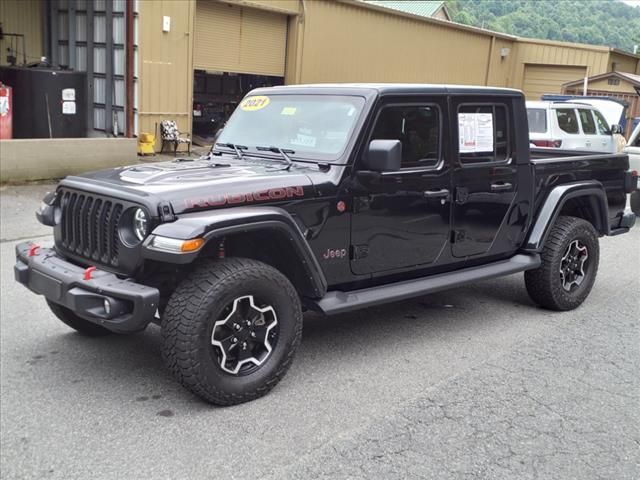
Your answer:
<point x="193" y="59"/>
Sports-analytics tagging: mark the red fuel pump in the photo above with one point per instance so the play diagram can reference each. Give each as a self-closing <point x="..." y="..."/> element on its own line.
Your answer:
<point x="6" y="112"/>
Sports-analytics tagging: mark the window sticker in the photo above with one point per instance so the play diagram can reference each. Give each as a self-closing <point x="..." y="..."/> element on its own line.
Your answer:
<point x="251" y="104"/>
<point x="68" y="108"/>
<point x="288" y="111"/>
<point x="476" y="132"/>
<point x="304" y="140"/>
<point x="69" y="95"/>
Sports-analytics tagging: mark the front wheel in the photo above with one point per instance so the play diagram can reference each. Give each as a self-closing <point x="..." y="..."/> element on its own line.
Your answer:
<point x="230" y="330"/>
<point x="569" y="266"/>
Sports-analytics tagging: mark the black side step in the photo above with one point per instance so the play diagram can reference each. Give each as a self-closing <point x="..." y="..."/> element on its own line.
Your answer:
<point x="338" y="302"/>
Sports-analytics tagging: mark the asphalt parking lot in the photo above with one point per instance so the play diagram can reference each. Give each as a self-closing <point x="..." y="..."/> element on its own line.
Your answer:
<point x="474" y="383"/>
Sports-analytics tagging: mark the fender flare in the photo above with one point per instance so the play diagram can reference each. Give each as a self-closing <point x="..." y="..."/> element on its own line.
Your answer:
<point x="219" y="223"/>
<point x="552" y="205"/>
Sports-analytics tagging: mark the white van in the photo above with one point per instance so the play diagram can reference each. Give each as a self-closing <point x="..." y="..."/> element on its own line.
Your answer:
<point x="570" y="126"/>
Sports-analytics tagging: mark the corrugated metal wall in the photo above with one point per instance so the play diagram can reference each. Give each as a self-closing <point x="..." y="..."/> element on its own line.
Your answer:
<point x="27" y="17"/>
<point x="345" y="42"/>
<point x="623" y="63"/>
<point x="333" y="41"/>
<point x="166" y="63"/>
<point x="541" y="79"/>
<point x="549" y="55"/>
<point x="229" y="38"/>
<point x="290" y="7"/>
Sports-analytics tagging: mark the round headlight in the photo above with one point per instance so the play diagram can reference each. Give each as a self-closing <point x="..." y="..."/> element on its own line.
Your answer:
<point x="140" y="223"/>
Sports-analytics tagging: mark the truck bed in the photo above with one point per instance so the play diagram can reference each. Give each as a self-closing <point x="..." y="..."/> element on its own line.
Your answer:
<point x="552" y="167"/>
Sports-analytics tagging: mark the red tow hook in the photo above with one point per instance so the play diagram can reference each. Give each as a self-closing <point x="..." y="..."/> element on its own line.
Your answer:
<point x="88" y="271"/>
<point x="32" y="249"/>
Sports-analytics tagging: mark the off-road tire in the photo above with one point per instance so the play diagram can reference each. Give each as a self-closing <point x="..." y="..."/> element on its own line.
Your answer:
<point x="85" y="327"/>
<point x="191" y="313"/>
<point x="634" y="201"/>
<point x="544" y="284"/>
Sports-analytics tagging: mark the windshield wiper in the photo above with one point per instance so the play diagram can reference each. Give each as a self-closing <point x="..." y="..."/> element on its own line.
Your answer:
<point x="284" y="153"/>
<point x="236" y="148"/>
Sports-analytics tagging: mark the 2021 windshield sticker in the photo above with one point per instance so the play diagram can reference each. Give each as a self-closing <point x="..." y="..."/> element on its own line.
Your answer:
<point x="251" y="104"/>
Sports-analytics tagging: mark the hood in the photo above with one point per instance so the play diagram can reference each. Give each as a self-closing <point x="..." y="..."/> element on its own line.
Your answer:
<point x="204" y="184"/>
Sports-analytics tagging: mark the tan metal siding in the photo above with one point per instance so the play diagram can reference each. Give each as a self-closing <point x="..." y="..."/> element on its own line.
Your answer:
<point x="594" y="58"/>
<point x="230" y="38"/>
<point x="165" y="64"/>
<point x="343" y="42"/>
<point x="26" y="17"/>
<point x="623" y="63"/>
<point x="289" y="7"/>
<point x="541" y="79"/>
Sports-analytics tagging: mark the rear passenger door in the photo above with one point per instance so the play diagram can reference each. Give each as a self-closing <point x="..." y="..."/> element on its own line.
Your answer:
<point x="591" y="140"/>
<point x="566" y="121"/>
<point x="605" y="137"/>
<point x="489" y="207"/>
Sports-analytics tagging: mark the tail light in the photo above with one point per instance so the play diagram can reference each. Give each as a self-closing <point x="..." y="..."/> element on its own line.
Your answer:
<point x="547" y="143"/>
<point x="197" y="110"/>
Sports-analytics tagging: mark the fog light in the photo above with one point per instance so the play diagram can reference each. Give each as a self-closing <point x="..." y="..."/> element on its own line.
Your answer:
<point x="107" y="307"/>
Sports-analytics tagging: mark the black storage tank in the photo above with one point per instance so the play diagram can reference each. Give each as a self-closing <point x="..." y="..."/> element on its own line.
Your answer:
<point x="47" y="102"/>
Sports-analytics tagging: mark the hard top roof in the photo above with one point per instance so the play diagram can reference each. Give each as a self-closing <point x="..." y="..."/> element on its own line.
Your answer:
<point x="386" y="88"/>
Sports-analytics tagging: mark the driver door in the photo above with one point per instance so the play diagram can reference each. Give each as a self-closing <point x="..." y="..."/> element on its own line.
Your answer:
<point x="401" y="218"/>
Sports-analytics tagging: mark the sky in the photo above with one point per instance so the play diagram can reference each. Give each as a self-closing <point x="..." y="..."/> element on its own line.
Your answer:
<point x="633" y="3"/>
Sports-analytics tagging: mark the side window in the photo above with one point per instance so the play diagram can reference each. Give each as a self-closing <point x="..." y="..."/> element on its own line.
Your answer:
<point x="483" y="133"/>
<point x="537" y="120"/>
<point x="588" y="125"/>
<point x="417" y="128"/>
<point x="601" y="123"/>
<point x="567" y="120"/>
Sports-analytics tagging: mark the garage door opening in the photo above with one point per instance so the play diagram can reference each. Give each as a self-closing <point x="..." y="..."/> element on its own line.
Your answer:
<point x="215" y="97"/>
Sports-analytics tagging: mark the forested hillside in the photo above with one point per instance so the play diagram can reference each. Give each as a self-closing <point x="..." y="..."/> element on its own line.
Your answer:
<point x="600" y="22"/>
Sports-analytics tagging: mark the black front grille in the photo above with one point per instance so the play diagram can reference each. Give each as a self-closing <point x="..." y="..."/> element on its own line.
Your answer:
<point x="89" y="226"/>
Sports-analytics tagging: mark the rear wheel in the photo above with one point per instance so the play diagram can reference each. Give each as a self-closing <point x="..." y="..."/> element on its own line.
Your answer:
<point x="230" y="330"/>
<point x="79" y="324"/>
<point x="569" y="265"/>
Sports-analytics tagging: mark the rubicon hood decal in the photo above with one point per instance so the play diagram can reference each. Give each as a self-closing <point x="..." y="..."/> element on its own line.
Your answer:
<point x="220" y="199"/>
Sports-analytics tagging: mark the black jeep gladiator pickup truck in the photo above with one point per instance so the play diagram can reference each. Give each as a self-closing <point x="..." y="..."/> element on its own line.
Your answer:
<point x="328" y="198"/>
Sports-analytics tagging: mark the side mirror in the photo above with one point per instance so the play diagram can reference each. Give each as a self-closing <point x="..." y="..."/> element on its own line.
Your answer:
<point x="384" y="155"/>
<point x="616" y="129"/>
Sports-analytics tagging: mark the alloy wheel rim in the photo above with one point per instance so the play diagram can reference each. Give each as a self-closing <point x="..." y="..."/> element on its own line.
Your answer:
<point x="572" y="265"/>
<point x="244" y="339"/>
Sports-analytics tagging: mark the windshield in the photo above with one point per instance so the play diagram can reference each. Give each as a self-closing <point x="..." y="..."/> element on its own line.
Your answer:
<point x="314" y="126"/>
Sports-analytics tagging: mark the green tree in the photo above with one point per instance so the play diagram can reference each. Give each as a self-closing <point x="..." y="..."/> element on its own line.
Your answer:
<point x="599" y="22"/>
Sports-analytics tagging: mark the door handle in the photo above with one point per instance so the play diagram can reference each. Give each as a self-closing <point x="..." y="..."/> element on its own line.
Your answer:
<point x="443" y="193"/>
<point x="501" y="187"/>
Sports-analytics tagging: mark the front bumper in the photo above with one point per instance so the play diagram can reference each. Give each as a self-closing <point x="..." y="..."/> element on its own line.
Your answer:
<point x="132" y="305"/>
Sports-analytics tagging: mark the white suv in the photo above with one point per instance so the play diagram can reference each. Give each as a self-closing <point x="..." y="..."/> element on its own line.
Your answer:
<point x="570" y="126"/>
